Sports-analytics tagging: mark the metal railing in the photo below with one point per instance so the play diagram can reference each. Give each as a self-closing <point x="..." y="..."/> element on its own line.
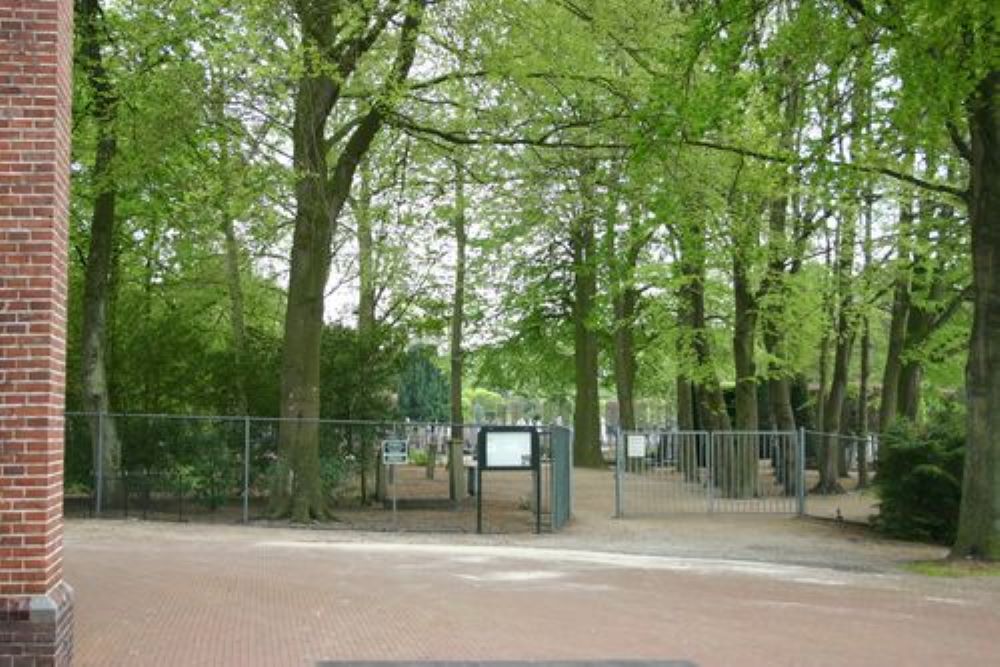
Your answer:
<point x="671" y="472"/>
<point x="661" y="472"/>
<point x="220" y="468"/>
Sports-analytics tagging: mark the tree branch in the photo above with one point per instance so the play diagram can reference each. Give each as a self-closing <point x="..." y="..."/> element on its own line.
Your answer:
<point x="869" y="169"/>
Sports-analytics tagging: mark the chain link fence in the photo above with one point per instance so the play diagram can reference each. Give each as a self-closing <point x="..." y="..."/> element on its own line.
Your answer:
<point x="220" y="469"/>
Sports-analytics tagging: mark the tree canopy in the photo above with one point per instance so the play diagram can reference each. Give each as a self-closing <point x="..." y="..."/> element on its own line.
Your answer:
<point x="744" y="213"/>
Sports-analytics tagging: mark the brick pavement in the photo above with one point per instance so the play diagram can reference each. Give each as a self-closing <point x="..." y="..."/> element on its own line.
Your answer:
<point x="159" y="594"/>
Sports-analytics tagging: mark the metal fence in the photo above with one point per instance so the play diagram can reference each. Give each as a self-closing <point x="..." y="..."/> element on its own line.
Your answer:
<point x="561" y="475"/>
<point x="674" y="472"/>
<point x="660" y="472"/>
<point x="220" y="469"/>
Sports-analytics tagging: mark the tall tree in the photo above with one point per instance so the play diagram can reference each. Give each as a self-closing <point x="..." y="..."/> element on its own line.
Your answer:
<point x="456" y="481"/>
<point x="979" y="520"/>
<point x="843" y="340"/>
<point x="93" y="33"/>
<point x="333" y="41"/>
<point x="586" y="413"/>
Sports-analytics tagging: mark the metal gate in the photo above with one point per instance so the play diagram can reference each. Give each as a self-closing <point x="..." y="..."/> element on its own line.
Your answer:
<point x="671" y="472"/>
<point x="560" y="475"/>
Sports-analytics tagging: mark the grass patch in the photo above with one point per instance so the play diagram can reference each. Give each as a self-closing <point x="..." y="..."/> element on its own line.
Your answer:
<point x="954" y="568"/>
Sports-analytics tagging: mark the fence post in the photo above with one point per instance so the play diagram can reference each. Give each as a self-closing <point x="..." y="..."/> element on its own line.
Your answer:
<point x="99" y="467"/>
<point x="246" y="470"/>
<point x="569" y="449"/>
<point x="710" y="460"/>
<point x="800" y="472"/>
<point x="619" y="464"/>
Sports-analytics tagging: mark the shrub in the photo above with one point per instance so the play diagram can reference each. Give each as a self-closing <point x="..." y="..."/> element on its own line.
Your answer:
<point x="418" y="457"/>
<point x="335" y="471"/>
<point x="919" y="479"/>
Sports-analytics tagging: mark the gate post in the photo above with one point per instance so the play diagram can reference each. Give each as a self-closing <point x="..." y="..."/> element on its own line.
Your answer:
<point x="800" y="472"/>
<point x="619" y="463"/>
<point x="246" y="469"/>
<point x="710" y="463"/>
<point x="99" y="466"/>
<point x="569" y="450"/>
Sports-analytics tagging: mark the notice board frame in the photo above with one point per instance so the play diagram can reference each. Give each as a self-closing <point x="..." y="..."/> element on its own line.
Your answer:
<point x="482" y="463"/>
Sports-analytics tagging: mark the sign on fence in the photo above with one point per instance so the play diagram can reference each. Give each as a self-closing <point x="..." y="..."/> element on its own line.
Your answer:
<point x="636" y="446"/>
<point x="508" y="448"/>
<point x="395" y="452"/>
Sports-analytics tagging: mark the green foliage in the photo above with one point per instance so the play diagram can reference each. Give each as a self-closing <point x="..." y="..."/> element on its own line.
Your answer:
<point x="919" y="478"/>
<point x="357" y="376"/>
<point x="423" y="387"/>
<point x="954" y="569"/>
<point x="418" y="457"/>
<point x="335" y="471"/>
<point x="681" y="114"/>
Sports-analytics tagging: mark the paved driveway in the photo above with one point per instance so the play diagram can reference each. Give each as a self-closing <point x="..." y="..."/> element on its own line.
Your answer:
<point x="162" y="594"/>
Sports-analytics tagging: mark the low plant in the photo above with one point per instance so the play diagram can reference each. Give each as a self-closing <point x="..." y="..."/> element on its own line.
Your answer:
<point x="418" y="457"/>
<point x="919" y="479"/>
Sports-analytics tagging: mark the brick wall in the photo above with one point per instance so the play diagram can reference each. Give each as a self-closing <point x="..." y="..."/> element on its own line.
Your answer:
<point x="35" y="76"/>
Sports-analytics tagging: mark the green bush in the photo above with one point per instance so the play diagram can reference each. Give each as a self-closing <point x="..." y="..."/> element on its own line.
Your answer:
<point x="335" y="472"/>
<point x="418" y="457"/>
<point x="919" y="479"/>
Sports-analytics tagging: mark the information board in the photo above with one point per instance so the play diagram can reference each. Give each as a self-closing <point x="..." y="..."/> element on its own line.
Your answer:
<point x="508" y="448"/>
<point x="395" y="452"/>
<point x="636" y="446"/>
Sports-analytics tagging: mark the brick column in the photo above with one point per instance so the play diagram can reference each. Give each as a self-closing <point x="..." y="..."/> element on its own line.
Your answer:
<point x="35" y="75"/>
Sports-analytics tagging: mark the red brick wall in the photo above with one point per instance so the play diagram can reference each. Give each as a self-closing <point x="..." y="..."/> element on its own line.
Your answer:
<point x="35" y="76"/>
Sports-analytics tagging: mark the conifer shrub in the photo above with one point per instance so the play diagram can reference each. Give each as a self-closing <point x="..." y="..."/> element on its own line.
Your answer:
<point x="919" y="479"/>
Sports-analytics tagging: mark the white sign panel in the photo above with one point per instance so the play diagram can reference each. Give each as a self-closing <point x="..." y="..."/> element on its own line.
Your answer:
<point x="394" y="452"/>
<point x="636" y="446"/>
<point x="508" y="449"/>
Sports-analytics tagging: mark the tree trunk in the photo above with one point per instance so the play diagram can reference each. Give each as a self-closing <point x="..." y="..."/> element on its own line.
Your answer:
<point x="844" y="336"/>
<point x="889" y="402"/>
<point x="624" y="303"/>
<point x="740" y="456"/>
<point x="709" y="401"/>
<point x="366" y="261"/>
<point x="100" y="255"/>
<point x="369" y="457"/>
<point x="910" y="379"/>
<point x="320" y="195"/>
<point x="708" y="405"/>
<point x="862" y="449"/>
<point x="688" y="456"/>
<point x="237" y="320"/>
<point x="456" y="470"/>
<point x="744" y="336"/>
<point x="772" y="299"/>
<point x="685" y="404"/>
<point x="586" y="415"/>
<point x="924" y="289"/>
<point x="979" y="519"/>
<point x="621" y="261"/>
<point x="824" y="351"/>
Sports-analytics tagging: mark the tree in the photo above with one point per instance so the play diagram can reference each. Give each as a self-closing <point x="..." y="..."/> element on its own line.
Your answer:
<point x="979" y="518"/>
<point x="100" y="256"/>
<point x="333" y="41"/>
<point x="423" y="389"/>
<point x="456" y="481"/>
